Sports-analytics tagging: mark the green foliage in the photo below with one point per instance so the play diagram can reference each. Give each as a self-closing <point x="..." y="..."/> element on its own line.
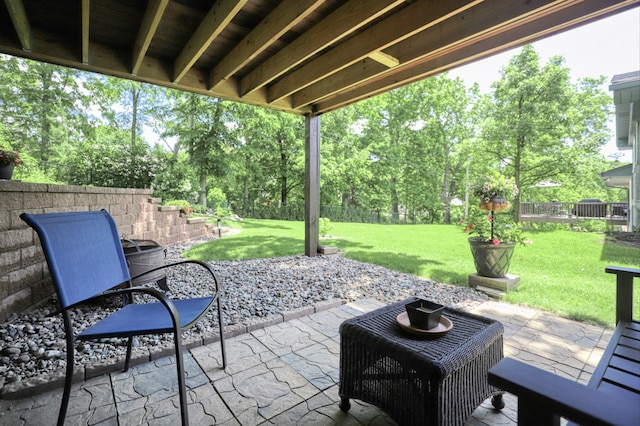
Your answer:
<point x="399" y="157"/>
<point x="325" y="226"/>
<point x="199" y="208"/>
<point x="592" y="225"/>
<point x="495" y="184"/>
<point x="504" y="230"/>
<point x="222" y="212"/>
<point x="177" y="180"/>
<point x="185" y="206"/>
<point x="216" y="198"/>
<point x="110" y="161"/>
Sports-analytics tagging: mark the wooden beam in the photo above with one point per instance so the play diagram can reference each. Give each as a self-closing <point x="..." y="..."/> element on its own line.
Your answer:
<point x="469" y="26"/>
<point x="409" y="21"/>
<point x="312" y="185"/>
<point x="342" y="22"/>
<point x="385" y="59"/>
<point x="86" y="10"/>
<point x="211" y="26"/>
<point x="20" y="22"/>
<point x="517" y="35"/>
<point x="150" y="21"/>
<point x="286" y="15"/>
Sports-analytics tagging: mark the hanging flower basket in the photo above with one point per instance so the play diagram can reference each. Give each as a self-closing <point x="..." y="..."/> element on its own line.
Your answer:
<point x="496" y="204"/>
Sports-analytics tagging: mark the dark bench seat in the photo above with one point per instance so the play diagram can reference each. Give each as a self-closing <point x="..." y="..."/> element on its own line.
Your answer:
<point x="612" y="396"/>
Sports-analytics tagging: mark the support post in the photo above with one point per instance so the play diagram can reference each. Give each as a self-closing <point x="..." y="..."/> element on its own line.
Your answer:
<point x="312" y="185"/>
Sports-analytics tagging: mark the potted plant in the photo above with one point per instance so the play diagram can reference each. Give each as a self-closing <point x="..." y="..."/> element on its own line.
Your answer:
<point x="492" y="243"/>
<point x="8" y="160"/>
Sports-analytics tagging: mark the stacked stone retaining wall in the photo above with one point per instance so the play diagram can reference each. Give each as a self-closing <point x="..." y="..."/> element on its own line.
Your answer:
<point x="24" y="279"/>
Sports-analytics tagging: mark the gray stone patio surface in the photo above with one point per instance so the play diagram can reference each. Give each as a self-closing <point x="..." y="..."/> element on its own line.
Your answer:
<point x="287" y="374"/>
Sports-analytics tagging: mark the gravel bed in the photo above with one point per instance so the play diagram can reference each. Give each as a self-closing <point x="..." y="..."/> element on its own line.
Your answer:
<point x="32" y="344"/>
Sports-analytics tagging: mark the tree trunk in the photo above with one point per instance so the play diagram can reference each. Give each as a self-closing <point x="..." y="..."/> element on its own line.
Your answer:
<point x="444" y="192"/>
<point x="395" y="211"/>
<point x="135" y="97"/>
<point x="203" y="189"/>
<point x="283" y="177"/>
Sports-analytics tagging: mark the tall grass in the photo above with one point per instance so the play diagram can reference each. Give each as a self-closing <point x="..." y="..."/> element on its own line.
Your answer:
<point x="561" y="272"/>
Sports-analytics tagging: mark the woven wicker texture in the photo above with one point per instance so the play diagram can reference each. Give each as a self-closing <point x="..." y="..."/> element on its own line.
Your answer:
<point x="438" y="381"/>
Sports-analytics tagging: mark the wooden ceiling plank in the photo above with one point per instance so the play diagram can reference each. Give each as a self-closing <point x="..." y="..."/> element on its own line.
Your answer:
<point x="343" y="21"/>
<point x="466" y="26"/>
<point x="20" y="22"/>
<point x="385" y="59"/>
<point x="517" y="35"/>
<point x="222" y="12"/>
<point x="286" y="15"/>
<point x="86" y="10"/>
<point x="148" y="27"/>
<point x="400" y="26"/>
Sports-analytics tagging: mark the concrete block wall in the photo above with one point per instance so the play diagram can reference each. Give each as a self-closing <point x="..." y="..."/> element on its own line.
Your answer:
<point x="24" y="279"/>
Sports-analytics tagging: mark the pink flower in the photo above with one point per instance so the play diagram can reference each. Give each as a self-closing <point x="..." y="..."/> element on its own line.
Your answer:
<point x="496" y="241"/>
<point x="489" y="218"/>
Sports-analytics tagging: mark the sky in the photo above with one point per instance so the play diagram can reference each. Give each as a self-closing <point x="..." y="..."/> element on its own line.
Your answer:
<point x="606" y="47"/>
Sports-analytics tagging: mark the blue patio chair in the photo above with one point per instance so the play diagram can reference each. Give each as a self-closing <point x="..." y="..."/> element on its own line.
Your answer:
<point x="86" y="261"/>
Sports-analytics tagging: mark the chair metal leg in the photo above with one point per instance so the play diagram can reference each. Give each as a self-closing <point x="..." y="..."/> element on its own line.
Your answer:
<point x="127" y="359"/>
<point x="69" y="372"/>
<point x="182" y="389"/>
<point x="222" y="346"/>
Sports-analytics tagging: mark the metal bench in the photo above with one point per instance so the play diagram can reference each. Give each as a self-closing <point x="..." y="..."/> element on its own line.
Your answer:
<point x="612" y="396"/>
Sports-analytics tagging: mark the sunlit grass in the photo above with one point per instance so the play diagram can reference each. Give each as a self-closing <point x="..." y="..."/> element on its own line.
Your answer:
<point x="561" y="272"/>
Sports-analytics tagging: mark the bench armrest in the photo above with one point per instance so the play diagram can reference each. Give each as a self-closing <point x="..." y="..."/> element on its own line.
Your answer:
<point x="624" y="291"/>
<point x="544" y="397"/>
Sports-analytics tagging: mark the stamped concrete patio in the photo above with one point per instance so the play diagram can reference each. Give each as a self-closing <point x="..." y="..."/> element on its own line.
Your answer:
<point x="287" y="374"/>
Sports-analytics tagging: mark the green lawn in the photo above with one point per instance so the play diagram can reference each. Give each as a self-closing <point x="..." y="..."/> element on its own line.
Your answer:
<point x="561" y="271"/>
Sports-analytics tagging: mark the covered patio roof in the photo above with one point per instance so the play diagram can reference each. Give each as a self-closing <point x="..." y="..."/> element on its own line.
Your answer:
<point x="299" y="56"/>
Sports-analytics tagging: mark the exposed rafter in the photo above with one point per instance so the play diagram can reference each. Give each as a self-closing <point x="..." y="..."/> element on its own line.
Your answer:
<point x="220" y="15"/>
<point x="275" y="25"/>
<point x="147" y="30"/>
<point x="86" y="10"/>
<point x="20" y="22"/>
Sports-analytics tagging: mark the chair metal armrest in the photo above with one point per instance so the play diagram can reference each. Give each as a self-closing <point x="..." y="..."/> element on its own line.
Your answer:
<point x="544" y="397"/>
<point x="162" y="298"/>
<point x="624" y="291"/>
<point x="181" y="262"/>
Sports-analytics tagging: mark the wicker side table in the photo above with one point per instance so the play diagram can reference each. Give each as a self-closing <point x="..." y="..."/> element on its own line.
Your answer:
<point x="439" y="380"/>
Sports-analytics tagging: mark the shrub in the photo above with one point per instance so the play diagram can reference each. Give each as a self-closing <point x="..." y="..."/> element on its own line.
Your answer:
<point x="325" y="226"/>
<point x="199" y="208"/>
<point x="184" y="205"/>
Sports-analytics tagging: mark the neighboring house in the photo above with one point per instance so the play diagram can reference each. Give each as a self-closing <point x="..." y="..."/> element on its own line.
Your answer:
<point x="626" y="98"/>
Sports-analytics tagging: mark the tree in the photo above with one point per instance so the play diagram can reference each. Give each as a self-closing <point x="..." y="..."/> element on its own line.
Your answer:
<point x="44" y="110"/>
<point x="538" y="125"/>
<point x="414" y="135"/>
<point x="199" y="125"/>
